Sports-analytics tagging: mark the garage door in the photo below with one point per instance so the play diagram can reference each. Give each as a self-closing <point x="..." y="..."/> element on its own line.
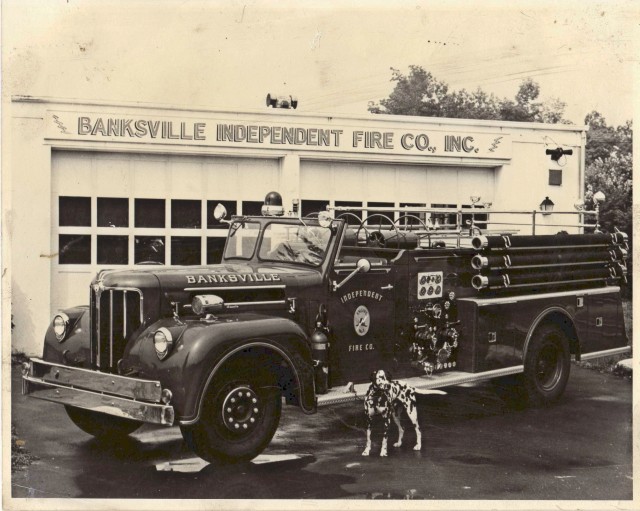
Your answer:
<point x="119" y="211"/>
<point x="381" y="185"/>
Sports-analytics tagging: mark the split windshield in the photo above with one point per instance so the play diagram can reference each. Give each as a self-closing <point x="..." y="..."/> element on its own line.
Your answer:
<point x="281" y="242"/>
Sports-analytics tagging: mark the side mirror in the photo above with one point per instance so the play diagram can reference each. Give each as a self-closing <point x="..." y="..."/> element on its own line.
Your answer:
<point x="362" y="266"/>
<point x="219" y="212"/>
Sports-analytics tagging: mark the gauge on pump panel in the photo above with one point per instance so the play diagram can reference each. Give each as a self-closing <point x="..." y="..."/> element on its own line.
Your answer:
<point x="429" y="285"/>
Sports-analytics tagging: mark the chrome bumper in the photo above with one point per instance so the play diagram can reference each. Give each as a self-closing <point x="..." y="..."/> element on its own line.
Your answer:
<point x="130" y="398"/>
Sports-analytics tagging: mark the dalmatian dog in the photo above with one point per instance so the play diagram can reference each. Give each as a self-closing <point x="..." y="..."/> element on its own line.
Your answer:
<point x="386" y="397"/>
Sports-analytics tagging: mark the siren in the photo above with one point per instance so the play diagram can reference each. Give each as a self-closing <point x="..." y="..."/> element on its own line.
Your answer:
<point x="273" y="205"/>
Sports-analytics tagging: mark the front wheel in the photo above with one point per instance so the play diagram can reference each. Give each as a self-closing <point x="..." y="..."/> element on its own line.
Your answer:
<point x="547" y="365"/>
<point x="240" y="415"/>
<point x="100" y="425"/>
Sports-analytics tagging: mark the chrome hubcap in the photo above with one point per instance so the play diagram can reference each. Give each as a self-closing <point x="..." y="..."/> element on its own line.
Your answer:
<point x="241" y="410"/>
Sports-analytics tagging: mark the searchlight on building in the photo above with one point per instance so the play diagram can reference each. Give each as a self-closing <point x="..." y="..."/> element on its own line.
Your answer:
<point x="282" y="101"/>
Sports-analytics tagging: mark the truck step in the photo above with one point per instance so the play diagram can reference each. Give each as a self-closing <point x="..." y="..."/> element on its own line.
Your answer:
<point x="350" y="392"/>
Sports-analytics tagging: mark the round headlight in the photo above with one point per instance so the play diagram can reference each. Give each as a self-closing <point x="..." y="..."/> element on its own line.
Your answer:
<point x="162" y="341"/>
<point x="60" y="324"/>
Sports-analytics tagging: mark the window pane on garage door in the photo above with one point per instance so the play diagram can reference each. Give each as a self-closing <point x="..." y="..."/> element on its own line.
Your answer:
<point x="75" y="211"/>
<point x="149" y="249"/>
<point x="186" y="214"/>
<point x="185" y="250"/>
<point x="74" y="249"/>
<point x="113" y="212"/>
<point x="113" y="249"/>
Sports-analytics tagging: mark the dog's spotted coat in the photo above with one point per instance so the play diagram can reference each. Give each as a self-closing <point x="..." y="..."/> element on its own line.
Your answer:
<point x="385" y="397"/>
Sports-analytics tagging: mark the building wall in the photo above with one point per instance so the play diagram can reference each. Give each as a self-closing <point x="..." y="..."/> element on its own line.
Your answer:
<point x="72" y="161"/>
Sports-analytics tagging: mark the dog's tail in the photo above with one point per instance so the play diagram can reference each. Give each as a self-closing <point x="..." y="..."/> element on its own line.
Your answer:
<point x="427" y="392"/>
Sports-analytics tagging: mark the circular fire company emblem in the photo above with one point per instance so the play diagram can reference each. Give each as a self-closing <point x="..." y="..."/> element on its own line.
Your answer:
<point x="361" y="320"/>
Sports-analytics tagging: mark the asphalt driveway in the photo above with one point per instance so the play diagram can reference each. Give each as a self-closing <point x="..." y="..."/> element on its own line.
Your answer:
<point x="474" y="447"/>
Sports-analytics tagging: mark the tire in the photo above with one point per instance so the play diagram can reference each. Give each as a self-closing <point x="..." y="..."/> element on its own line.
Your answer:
<point x="100" y="425"/>
<point x="239" y="416"/>
<point x="547" y="365"/>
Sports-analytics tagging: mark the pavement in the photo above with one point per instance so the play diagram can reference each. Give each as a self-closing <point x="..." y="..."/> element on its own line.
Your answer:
<point x="475" y="446"/>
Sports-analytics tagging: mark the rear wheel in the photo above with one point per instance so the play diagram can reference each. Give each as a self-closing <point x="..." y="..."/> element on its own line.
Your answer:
<point x="240" y="415"/>
<point x="100" y="425"/>
<point x="547" y="365"/>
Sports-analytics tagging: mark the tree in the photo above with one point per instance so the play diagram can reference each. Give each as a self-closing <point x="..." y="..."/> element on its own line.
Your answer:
<point x="417" y="94"/>
<point x="608" y="158"/>
<point x="420" y="93"/>
<point x="613" y="177"/>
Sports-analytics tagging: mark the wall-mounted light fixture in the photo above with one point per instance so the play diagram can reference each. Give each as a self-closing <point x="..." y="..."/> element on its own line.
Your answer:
<point x="546" y="206"/>
<point x="599" y="197"/>
<point x="558" y="152"/>
<point x="282" y="101"/>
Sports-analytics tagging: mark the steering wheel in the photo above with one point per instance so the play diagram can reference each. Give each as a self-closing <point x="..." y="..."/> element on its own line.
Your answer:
<point x="406" y="229"/>
<point x="376" y="235"/>
<point x="348" y="214"/>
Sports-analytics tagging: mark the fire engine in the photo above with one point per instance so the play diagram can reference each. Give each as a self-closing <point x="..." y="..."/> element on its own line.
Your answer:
<point x="302" y="310"/>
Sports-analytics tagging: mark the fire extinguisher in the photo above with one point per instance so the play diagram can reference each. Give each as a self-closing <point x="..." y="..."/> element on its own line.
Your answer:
<point x="320" y="352"/>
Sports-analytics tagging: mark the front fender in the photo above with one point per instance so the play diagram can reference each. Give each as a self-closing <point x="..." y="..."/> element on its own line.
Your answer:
<point x="201" y="347"/>
<point x="75" y="348"/>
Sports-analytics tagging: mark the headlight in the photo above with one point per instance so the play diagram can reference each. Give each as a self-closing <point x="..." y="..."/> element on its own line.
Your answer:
<point x="60" y="325"/>
<point x="162" y="341"/>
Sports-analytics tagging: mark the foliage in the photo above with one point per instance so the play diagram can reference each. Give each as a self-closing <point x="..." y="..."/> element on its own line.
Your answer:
<point x="609" y="170"/>
<point x="612" y="176"/>
<point x="420" y="93"/>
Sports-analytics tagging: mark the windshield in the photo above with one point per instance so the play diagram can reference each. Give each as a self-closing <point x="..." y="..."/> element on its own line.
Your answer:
<point x="242" y="240"/>
<point x="295" y="243"/>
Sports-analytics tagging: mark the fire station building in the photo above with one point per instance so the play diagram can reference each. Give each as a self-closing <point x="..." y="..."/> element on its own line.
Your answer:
<point x="95" y="185"/>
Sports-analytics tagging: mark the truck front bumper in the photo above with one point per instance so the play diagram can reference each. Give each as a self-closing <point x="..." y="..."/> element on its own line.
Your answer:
<point x="111" y="394"/>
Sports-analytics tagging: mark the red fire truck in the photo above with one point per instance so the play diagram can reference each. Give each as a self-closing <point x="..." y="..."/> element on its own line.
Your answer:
<point x="302" y="310"/>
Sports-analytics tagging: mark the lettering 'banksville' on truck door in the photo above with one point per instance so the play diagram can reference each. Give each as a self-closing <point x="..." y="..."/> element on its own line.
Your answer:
<point x="361" y="316"/>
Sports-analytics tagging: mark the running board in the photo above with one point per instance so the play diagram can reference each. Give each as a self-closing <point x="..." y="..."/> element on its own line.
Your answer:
<point x="352" y="392"/>
<point x="605" y="353"/>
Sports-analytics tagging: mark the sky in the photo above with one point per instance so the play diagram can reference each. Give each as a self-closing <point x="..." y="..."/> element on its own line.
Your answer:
<point x="334" y="57"/>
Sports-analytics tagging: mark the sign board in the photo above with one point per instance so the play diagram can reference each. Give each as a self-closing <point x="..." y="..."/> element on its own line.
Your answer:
<point x="274" y="135"/>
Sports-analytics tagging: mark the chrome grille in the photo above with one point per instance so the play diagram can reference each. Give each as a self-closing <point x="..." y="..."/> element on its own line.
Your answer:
<point x="115" y="314"/>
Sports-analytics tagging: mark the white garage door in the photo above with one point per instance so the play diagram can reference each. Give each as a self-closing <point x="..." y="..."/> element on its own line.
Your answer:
<point x="381" y="185"/>
<point x="123" y="210"/>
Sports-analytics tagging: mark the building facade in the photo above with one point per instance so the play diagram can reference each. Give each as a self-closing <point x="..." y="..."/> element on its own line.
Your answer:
<point x="94" y="185"/>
